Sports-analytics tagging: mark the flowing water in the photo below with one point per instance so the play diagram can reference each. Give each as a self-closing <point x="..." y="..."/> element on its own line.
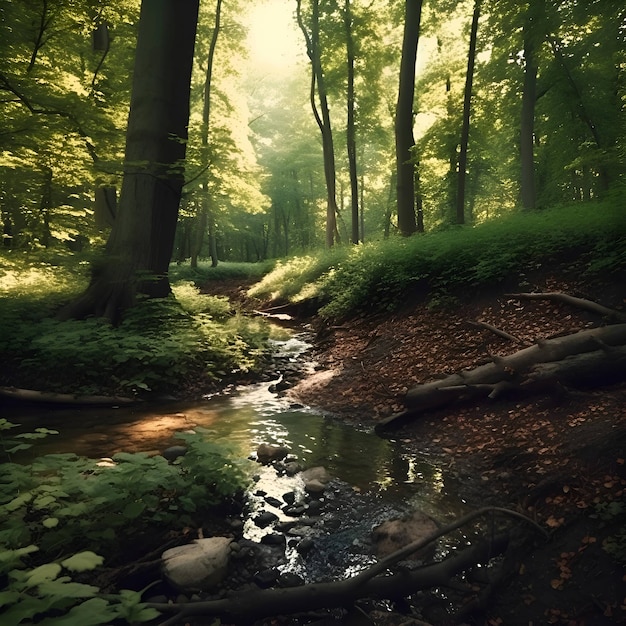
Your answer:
<point x="384" y="475"/>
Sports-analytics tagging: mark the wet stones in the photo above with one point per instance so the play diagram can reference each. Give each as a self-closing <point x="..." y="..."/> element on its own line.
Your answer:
<point x="394" y="534"/>
<point x="267" y="453"/>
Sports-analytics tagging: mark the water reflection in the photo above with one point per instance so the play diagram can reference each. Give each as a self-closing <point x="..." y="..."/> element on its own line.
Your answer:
<point x="245" y="418"/>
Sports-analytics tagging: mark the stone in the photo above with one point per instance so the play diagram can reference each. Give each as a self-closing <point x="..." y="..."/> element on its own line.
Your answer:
<point x="173" y="452"/>
<point x="266" y="578"/>
<point x="394" y="534"/>
<point x="315" y="487"/>
<point x="289" y="579"/>
<point x="292" y="468"/>
<point x="273" y="501"/>
<point x="265" y="519"/>
<point x="305" y="546"/>
<point x="200" y="565"/>
<point x="316" y="473"/>
<point x="274" y="539"/>
<point x="267" y="453"/>
<point x="289" y="497"/>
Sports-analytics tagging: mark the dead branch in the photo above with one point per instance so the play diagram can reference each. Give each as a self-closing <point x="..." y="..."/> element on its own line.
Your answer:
<point x="562" y="360"/>
<point x="30" y="395"/>
<point x="369" y="583"/>
<point x="497" y="331"/>
<point x="580" y="303"/>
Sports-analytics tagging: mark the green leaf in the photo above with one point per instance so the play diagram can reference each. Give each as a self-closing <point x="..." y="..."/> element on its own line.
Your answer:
<point x="9" y="597"/>
<point x="43" y="573"/>
<point x="83" y="561"/>
<point x="133" y="510"/>
<point x="18" y="502"/>
<point x="90" y="613"/>
<point x="50" y="522"/>
<point x="64" y="588"/>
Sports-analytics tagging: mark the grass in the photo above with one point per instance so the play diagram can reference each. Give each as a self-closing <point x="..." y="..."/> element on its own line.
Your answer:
<point x="162" y="345"/>
<point x="377" y="276"/>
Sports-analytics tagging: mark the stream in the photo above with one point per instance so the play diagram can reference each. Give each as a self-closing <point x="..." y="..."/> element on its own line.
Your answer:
<point x="373" y="478"/>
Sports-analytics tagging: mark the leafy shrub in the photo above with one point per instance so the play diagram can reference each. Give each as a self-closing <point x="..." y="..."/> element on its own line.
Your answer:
<point x="160" y="345"/>
<point x="61" y="511"/>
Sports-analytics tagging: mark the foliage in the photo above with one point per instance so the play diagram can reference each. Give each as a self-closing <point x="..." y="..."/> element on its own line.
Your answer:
<point x="62" y="511"/>
<point x="378" y="276"/>
<point x="160" y="345"/>
<point x="224" y="271"/>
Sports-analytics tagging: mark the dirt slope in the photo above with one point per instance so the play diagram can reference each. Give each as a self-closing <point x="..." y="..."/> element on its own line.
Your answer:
<point x="559" y="459"/>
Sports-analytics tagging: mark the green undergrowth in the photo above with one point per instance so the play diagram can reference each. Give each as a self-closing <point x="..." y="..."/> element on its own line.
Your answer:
<point x="65" y="516"/>
<point x="377" y="276"/>
<point x="224" y="271"/>
<point x="161" y="345"/>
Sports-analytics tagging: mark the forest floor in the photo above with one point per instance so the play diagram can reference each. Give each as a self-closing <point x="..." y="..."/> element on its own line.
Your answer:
<point x="558" y="459"/>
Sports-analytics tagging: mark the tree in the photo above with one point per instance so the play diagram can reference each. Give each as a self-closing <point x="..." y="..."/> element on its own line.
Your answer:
<point x="405" y="139"/>
<point x="61" y="109"/>
<point x="351" y="128"/>
<point x="467" y="104"/>
<point x="322" y="115"/>
<point x="140" y="245"/>
<point x="205" y="217"/>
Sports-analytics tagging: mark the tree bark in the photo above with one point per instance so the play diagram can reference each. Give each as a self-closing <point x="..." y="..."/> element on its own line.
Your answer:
<point x="140" y="245"/>
<point x="404" y="137"/>
<point x="322" y="117"/>
<point x="529" y="98"/>
<point x="351" y="125"/>
<point x="467" y="107"/>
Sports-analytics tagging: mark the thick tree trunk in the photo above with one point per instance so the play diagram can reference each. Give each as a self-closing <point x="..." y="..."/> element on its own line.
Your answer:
<point x="405" y="139"/>
<point x="140" y="246"/>
<point x="589" y="357"/>
<point x="533" y="27"/>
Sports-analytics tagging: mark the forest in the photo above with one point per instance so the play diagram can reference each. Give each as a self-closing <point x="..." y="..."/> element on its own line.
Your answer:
<point x="428" y="195"/>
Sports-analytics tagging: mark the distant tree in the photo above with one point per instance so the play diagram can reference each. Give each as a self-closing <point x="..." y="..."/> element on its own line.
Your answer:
<point x="322" y="113"/>
<point x="139" y="248"/>
<point x="467" y="105"/>
<point x="350" y="125"/>
<point x="405" y="139"/>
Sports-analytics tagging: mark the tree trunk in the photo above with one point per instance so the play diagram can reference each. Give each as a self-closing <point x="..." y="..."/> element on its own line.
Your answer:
<point x="351" y="126"/>
<point x="322" y="117"/>
<point x="467" y="105"/>
<point x="140" y="245"/>
<point x="529" y="98"/>
<point x="405" y="139"/>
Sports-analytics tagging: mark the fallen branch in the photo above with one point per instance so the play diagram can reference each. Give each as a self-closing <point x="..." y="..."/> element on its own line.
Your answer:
<point x="497" y="331"/>
<point x="580" y="303"/>
<point x="587" y="357"/>
<point x="30" y="395"/>
<point x="264" y="603"/>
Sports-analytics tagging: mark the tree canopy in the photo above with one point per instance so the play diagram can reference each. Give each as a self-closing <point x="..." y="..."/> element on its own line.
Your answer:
<point x="546" y="127"/>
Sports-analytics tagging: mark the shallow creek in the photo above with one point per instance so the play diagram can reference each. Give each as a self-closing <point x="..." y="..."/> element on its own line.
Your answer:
<point x="376" y="478"/>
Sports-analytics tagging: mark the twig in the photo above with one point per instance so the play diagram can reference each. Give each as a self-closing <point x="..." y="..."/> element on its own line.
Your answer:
<point x="497" y="331"/>
<point x="581" y="303"/>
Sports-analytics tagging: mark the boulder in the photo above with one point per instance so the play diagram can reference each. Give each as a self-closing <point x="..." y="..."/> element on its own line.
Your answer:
<point x="197" y="566"/>
<point x="394" y="534"/>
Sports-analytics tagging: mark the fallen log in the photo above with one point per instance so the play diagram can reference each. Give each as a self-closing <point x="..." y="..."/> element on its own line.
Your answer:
<point x="523" y="371"/>
<point x="30" y="395"/>
<point x="253" y="605"/>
